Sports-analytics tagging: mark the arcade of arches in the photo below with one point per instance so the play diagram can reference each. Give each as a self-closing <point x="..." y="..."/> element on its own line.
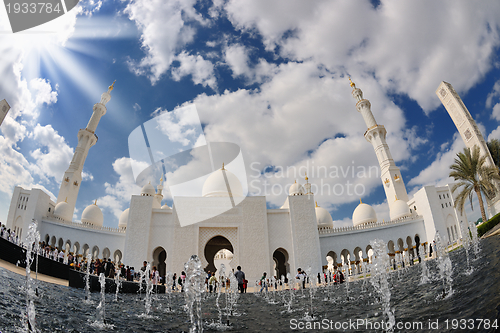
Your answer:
<point x="83" y="250"/>
<point x="402" y="252"/>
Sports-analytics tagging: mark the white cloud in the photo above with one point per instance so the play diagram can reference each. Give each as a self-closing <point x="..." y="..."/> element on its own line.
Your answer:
<point x="408" y="46"/>
<point x="237" y="58"/>
<point x="345" y="222"/>
<point x="111" y="203"/>
<point x="118" y="195"/>
<point x="495" y="134"/>
<point x="495" y="93"/>
<point x="437" y="172"/>
<point x="495" y="114"/>
<point x="382" y="211"/>
<point x="44" y="93"/>
<point x="53" y="156"/>
<point x="304" y="116"/>
<point x="165" y="29"/>
<point x="13" y="167"/>
<point x="201" y="70"/>
<point x="217" y="8"/>
<point x="25" y="91"/>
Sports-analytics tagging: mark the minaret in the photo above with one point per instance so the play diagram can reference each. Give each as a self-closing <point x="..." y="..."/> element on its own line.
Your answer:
<point x="4" y="108"/>
<point x="86" y="138"/>
<point x="470" y="133"/>
<point x="375" y="134"/>
<point x="158" y="195"/>
<point x="307" y="186"/>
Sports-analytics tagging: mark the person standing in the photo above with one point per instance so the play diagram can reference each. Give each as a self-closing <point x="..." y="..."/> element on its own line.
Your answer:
<point x="155" y="276"/>
<point x="263" y="282"/>
<point x="183" y="280"/>
<point x="112" y="269"/>
<point x="301" y="276"/>
<point x="212" y="283"/>
<point x="107" y="267"/>
<point x="129" y="273"/>
<point x="144" y="266"/>
<point x="245" y="285"/>
<point x="240" y="276"/>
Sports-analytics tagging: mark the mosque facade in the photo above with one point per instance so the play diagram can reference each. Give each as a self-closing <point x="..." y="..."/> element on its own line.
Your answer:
<point x="277" y="241"/>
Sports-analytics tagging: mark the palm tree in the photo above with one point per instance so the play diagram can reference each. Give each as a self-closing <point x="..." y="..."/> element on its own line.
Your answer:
<point x="473" y="175"/>
<point x="494" y="148"/>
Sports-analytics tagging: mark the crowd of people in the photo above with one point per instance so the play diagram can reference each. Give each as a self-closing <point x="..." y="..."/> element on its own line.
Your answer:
<point x="97" y="266"/>
<point x="9" y="235"/>
<point x="301" y="279"/>
<point x="212" y="283"/>
<point x="110" y="269"/>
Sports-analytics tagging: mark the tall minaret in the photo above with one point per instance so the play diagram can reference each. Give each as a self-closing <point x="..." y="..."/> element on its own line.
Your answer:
<point x="375" y="134"/>
<point x="86" y="138"/>
<point x="470" y="133"/>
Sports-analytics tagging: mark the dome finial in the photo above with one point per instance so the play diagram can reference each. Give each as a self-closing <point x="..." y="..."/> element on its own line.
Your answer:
<point x="396" y="198"/>
<point x="360" y="202"/>
<point x="306" y="177"/>
<point x="223" y="166"/>
<point x="317" y="204"/>
<point x="66" y="200"/>
<point x="111" y="87"/>
<point x="352" y="83"/>
<point x="95" y="202"/>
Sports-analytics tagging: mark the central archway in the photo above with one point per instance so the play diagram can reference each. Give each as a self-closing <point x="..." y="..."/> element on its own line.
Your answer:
<point x="159" y="257"/>
<point x="282" y="267"/>
<point x="214" y="245"/>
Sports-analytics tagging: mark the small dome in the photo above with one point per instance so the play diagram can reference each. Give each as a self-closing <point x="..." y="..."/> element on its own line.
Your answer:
<point x="364" y="214"/>
<point x="215" y="185"/>
<point x="399" y="209"/>
<point x="148" y="190"/>
<point x="323" y="217"/>
<point x="296" y="189"/>
<point x="62" y="209"/>
<point x="93" y="215"/>
<point x="165" y="206"/>
<point x="122" y="223"/>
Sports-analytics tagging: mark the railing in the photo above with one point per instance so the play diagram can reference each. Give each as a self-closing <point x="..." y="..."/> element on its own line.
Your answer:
<point x="84" y="225"/>
<point x="328" y="230"/>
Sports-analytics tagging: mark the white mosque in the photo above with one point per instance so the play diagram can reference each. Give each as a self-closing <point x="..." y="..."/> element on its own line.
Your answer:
<point x="299" y="234"/>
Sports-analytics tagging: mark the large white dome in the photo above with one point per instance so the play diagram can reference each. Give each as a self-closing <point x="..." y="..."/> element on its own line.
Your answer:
<point x="323" y="217"/>
<point x="148" y="190"/>
<point x="364" y="214"/>
<point x="296" y="189"/>
<point x="62" y="209"/>
<point x="93" y="215"/>
<point x="399" y="209"/>
<point x="122" y="222"/>
<point x="216" y="186"/>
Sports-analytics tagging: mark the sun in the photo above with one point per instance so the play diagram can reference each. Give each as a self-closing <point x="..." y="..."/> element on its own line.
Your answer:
<point x="54" y="49"/>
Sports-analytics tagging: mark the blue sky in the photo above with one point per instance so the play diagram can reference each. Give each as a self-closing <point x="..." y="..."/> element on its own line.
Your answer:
<point x="269" y="76"/>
